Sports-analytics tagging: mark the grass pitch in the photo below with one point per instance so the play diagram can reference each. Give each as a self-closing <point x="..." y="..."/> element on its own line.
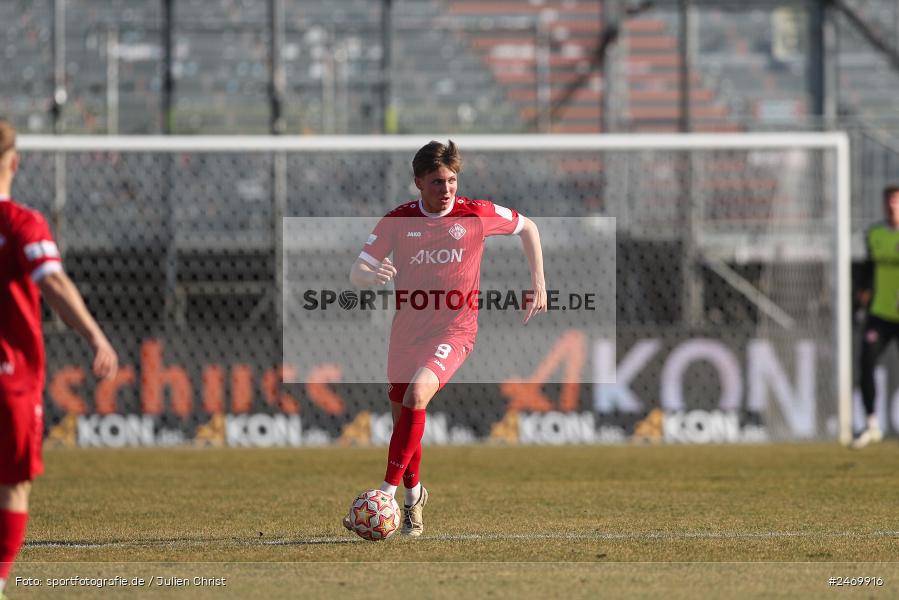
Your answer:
<point x="684" y="521"/>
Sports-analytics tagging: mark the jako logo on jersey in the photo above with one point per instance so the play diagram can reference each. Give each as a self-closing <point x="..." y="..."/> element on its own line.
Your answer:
<point x="371" y="239"/>
<point x="457" y="231"/>
<point x="437" y="257"/>
<point x="413" y="234"/>
<point x="439" y="364"/>
<point x="42" y="249"/>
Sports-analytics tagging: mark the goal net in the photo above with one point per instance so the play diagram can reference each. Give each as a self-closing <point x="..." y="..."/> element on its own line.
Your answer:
<point x="719" y="263"/>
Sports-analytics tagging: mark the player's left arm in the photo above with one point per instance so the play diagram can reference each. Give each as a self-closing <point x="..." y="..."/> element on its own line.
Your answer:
<point x="530" y="241"/>
<point x="64" y="298"/>
<point x="38" y="255"/>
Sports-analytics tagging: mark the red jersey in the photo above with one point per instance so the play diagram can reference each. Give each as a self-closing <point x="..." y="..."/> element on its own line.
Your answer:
<point x="438" y="263"/>
<point x="27" y="254"/>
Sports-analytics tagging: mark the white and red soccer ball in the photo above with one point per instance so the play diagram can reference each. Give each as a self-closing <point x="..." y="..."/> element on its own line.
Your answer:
<point x="375" y="515"/>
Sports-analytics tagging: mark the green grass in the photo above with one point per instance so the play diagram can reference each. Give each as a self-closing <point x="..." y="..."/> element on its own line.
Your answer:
<point x="501" y="522"/>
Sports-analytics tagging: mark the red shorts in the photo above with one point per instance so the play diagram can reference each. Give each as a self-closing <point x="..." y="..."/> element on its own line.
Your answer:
<point x="442" y="356"/>
<point x="21" y="435"/>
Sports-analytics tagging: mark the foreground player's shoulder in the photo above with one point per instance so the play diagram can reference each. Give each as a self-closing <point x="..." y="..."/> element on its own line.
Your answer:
<point x="385" y="231"/>
<point x="23" y="219"/>
<point x="406" y="209"/>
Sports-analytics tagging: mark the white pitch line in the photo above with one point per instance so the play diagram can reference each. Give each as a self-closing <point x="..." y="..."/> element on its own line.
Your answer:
<point x="598" y="536"/>
<point x="664" y="535"/>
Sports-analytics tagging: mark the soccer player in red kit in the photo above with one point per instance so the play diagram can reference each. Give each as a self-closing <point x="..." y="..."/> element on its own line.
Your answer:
<point x="29" y="267"/>
<point x="437" y="243"/>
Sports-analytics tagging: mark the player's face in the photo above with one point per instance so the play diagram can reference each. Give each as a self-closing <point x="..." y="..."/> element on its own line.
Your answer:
<point x="438" y="189"/>
<point x="892" y="207"/>
<point x="8" y="160"/>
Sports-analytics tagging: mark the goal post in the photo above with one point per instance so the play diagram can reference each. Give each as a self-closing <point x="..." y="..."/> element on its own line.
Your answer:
<point x="733" y="257"/>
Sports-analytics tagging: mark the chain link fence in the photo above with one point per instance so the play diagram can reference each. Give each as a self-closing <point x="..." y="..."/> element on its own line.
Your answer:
<point x="724" y="269"/>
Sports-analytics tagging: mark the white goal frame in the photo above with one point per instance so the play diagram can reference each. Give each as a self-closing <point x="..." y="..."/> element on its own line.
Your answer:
<point x="835" y="141"/>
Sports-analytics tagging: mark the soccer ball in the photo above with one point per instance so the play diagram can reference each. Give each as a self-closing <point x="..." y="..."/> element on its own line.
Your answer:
<point x="375" y="515"/>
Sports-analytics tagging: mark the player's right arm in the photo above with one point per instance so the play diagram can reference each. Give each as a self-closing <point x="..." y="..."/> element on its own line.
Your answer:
<point x="64" y="298"/>
<point x="39" y="256"/>
<point x="365" y="275"/>
<point x="373" y="267"/>
<point x="867" y="274"/>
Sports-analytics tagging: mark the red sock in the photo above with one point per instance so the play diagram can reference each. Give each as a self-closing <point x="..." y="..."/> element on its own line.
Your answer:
<point x="413" y="471"/>
<point x="405" y="439"/>
<point x="12" y="534"/>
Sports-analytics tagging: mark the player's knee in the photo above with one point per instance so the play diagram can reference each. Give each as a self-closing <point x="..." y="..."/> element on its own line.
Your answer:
<point x="15" y="497"/>
<point x="418" y="395"/>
